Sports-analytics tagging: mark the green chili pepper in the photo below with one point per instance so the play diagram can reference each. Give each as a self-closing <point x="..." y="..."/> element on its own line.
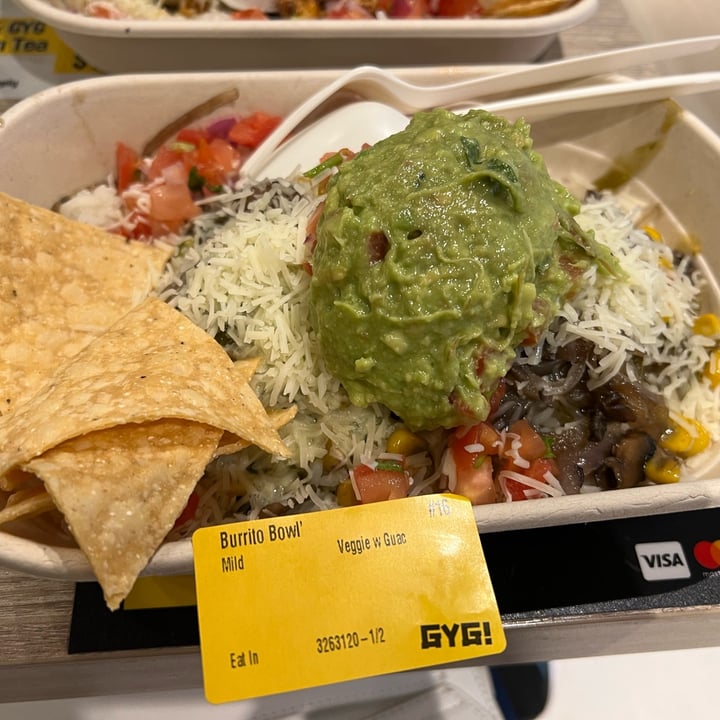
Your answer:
<point x="182" y="147"/>
<point x="196" y="181"/>
<point x="332" y="161"/>
<point x="392" y="465"/>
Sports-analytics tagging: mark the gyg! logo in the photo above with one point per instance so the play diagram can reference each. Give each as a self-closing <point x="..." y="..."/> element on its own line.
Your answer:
<point x="455" y="635"/>
<point x="662" y="560"/>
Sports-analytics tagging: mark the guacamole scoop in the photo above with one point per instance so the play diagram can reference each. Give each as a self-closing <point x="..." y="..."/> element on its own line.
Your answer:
<point x="439" y="250"/>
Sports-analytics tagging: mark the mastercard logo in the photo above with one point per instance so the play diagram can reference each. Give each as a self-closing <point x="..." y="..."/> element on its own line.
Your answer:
<point x="708" y="554"/>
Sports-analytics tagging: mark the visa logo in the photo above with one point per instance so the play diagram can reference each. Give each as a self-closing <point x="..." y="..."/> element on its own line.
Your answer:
<point x="662" y="561"/>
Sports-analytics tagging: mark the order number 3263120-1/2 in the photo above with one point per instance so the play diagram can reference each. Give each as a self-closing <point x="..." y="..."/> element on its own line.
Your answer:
<point x="349" y="640"/>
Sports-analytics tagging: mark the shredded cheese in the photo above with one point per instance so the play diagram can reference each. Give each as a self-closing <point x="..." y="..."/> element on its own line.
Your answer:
<point x="246" y="280"/>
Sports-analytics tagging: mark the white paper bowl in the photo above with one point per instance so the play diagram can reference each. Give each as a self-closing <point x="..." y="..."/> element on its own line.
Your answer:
<point x="63" y="139"/>
<point x="128" y="46"/>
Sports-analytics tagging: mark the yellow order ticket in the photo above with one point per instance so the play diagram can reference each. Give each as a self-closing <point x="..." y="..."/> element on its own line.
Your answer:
<point x="313" y="599"/>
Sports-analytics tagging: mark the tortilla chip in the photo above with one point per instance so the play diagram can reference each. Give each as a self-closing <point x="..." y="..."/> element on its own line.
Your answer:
<point x="526" y="8"/>
<point x="121" y="490"/>
<point x="111" y="403"/>
<point x="231" y="443"/>
<point x="152" y="364"/>
<point x="15" y="479"/>
<point x="26" y="504"/>
<point x="62" y="284"/>
<point x="245" y="369"/>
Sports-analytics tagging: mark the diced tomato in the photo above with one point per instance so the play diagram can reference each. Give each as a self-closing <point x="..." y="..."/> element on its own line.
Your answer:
<point x="191" y="160"/>
<point x="481" y="434"/>
<point x="537" y="471"/>
<point x="516" y="489"/>
<point x="190" y="509"/>
<point x="457" y="8"/>
<point x="250" y="131"/>
<point x="164" y="159"/>
<point x="532" y="446"/>
<point x="213" y="161"/>
<point x="470" y="450"/>
<point x="136" y="226"/>
<point x="476" y="482"/>
<point x="375" y="485"/>
<point x="102" y="10"/>
<point x="216" y="160"/>
<point x="193" y="136"/>
<point x="409" y="9"/>
<point x="140" y="228"/>
<point x="206" y="165"/>
<point x="172" y="204"/>
<point x="226" y="157"/>
<point x="126" y="164"/>
<point x="478" y="453"/>
<point x="540" y="467"/>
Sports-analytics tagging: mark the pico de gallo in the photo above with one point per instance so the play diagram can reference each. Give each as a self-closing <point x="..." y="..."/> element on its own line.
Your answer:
<point x="160" y="193"/>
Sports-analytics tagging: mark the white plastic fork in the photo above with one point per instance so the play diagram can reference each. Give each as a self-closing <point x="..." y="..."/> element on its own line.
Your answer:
<point x="376" y="84"/>
<point x="369" y="121"/>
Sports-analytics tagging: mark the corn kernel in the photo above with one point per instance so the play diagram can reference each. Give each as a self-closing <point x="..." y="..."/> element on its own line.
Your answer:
<point x="662" y="470"/>
<point x="685" y="440"/>
<point x="329" y="462"/>
<point x="652" y="233"/>
<point x="345" y="494"/>
<point x="712" y="369"/>
<point x="403" y="442"/>
<point x="707" y="325"/>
